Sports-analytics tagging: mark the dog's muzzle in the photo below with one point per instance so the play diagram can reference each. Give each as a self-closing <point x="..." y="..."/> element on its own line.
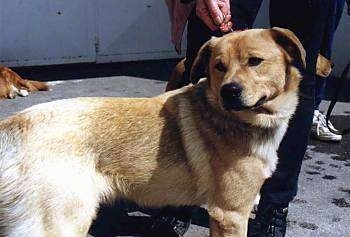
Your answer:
<point x="231" y="98"/>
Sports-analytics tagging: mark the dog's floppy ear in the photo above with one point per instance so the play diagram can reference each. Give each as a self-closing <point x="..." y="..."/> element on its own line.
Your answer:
<point x="290" y="43"/>
<point x="200" y="65"/>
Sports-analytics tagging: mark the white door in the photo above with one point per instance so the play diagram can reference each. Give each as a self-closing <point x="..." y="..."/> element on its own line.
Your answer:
<point x="43" y="32"/>
<point x="46" y="32"/>
<point x="133" y="30"/>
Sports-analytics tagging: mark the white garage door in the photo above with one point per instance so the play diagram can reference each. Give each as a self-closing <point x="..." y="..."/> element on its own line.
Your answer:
<point x="46" y="32"/>
<point x="69" y="31"/>
<point x="133" y="30"/>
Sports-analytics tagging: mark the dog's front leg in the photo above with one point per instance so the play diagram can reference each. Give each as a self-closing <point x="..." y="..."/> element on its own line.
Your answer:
<point x="234" y="188"/>
<point x="227" y="223"/>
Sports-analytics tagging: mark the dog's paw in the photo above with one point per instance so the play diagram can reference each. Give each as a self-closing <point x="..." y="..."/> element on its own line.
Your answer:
<point x="12" y="95"/>
<point x="23" y="93"/>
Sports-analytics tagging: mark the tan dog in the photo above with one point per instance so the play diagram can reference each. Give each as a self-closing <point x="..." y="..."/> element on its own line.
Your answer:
<point x="11" y="84"/>
<point x="212" y="143"/>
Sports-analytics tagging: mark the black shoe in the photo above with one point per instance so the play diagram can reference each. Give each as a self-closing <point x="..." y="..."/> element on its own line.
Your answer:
<point x="171" y="222"/>
<point x="269" y="222"/>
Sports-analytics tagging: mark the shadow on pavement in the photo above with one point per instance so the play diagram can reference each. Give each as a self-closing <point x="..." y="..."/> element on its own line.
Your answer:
<point x="127" y="219"/>
<point x="152" y="69"/>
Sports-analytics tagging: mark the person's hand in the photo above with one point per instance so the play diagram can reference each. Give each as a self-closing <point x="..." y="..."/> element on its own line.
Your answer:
<point x="215" y="14"/>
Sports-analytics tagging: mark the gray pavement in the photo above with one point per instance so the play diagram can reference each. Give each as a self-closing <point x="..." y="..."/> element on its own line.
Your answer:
<point x="322" y="206"/>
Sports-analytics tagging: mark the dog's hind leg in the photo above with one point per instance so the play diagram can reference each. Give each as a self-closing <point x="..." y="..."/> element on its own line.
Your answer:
<point x="33" y="86"/>
<point x="73" y="199"/>
<point x="45" y="209"/>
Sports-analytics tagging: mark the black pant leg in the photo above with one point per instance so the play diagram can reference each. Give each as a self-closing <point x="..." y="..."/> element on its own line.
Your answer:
<point x="306" y="18"/>
<point x="335" y="13"/>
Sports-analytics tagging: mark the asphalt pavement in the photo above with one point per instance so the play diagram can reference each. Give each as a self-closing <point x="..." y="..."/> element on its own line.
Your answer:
<point x="321" y="208"/>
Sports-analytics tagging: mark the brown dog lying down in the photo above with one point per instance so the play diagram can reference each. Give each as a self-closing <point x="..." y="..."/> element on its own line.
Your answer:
<point x="11" y="84"/>
<point x="214" y="142"/>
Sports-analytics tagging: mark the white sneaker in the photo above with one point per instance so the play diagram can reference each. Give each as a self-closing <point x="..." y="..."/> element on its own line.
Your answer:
<point x="319" y="128"/>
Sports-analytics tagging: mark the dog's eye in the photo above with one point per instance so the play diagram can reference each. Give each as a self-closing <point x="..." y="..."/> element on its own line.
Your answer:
<point x="220" y="67"/>
<point x="254" y="61"/>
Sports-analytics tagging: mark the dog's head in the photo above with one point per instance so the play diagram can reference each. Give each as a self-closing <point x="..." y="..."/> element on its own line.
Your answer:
<point x="252" y="74"/>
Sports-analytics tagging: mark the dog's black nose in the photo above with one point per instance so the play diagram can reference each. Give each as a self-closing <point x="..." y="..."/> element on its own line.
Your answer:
<point x="231" y="96"/>
<point x="231" y="90"/>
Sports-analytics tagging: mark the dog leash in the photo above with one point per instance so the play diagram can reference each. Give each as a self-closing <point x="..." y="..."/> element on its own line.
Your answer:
<point x="339" y="85"/>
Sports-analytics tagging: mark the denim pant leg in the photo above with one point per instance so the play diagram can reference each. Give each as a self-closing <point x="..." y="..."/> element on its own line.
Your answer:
<point x="306" y="18"/>
<point x="335" y="13"/>
<point x="320" y="89"/>
<point x="197" y="34"/>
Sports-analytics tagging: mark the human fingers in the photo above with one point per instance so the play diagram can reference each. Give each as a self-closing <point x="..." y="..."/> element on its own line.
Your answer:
<point x="215" y="11"/>
<point x="224" y="6"/>
<point x="226" y="27"/>
<point x="203" y="13"/>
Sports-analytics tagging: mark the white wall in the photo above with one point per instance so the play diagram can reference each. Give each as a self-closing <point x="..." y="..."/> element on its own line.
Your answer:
<point x="44" y="32"/>
<point x="341" y="47"/>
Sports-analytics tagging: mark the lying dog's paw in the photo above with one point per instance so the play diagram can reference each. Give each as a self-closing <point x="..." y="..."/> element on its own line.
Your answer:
<point x="23" y="92"/>
<point x="13" y="92"/>
<point x="12" y="95"/>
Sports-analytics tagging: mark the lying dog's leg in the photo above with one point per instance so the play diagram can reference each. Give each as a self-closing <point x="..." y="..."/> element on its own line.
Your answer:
<point x="34" y="86"/>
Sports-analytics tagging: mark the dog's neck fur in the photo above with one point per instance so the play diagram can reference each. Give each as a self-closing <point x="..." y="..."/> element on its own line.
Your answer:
<point x="252" y="140"/>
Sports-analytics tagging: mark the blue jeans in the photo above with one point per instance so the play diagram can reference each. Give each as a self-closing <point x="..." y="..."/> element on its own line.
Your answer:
<point x="307" y="19"/>
<point x="335" y="13"/>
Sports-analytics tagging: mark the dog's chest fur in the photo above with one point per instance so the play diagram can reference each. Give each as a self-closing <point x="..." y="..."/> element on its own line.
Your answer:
<point x="225" y="138"/>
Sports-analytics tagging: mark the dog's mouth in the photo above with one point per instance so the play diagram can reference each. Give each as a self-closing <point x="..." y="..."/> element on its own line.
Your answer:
<point x="262" y="110"/>
<point x="260" y="106"/>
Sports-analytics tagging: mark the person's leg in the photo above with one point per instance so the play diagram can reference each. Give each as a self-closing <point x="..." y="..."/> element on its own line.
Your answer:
<point x="335" y="13"/>
<point x="197" y="34"/>
<point x="319" y="128"/>
<point x="244" y="12"/>
<point x="307" y="20"/>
